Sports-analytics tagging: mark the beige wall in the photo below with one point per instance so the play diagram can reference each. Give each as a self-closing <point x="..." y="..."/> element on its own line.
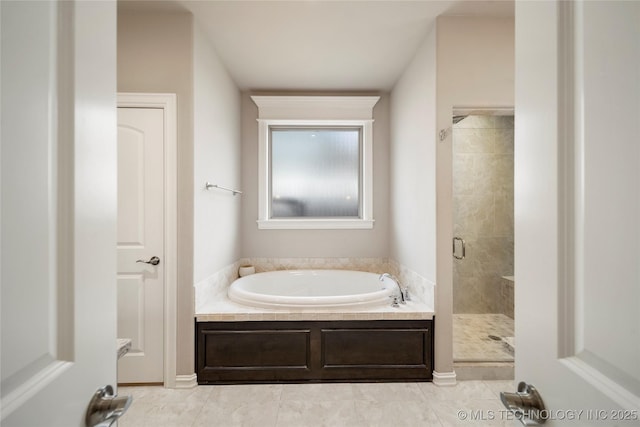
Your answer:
<point x="475" y="68"/>
<point x="413" y="176"/>
<point x="315" y="243"/>
<point x="155" y="55"/>
<point x="217" y="147"/>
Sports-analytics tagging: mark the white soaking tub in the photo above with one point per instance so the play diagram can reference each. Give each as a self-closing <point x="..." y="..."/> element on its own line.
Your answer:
<point x="311" y="289"/>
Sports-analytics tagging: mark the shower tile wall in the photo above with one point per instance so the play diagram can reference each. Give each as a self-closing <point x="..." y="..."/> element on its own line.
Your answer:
<point x="483" y="211"/>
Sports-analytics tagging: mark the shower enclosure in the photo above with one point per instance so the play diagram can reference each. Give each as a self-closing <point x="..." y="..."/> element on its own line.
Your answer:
<point x="484" y="243"/>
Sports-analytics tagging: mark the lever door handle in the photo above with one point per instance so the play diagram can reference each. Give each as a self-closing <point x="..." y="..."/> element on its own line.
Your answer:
<point x="106" y="407"/>
<point x="526" y="404"/>
<point x="153" y="261"/>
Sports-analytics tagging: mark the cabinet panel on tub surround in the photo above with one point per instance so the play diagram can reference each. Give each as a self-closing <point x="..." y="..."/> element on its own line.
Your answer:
<point x="314" y="351"/>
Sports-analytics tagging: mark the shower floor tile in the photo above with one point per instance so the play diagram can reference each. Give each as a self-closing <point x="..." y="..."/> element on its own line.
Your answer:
<point x="472" y="341"/>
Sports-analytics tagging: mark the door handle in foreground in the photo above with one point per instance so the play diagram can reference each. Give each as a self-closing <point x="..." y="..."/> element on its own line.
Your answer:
<point x="153" y="261"/>
<point x="106" y="407"/>
<point x="526" y="404"/>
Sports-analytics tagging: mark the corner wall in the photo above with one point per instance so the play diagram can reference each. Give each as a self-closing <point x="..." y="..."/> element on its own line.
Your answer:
<point x="463" y="62"/>
<point x="413" y="163"/>
<point x="475" y="68"/>
<point x="413" y="171"/>
<point x="155" y="55"/>
<point x="217" y="102"/>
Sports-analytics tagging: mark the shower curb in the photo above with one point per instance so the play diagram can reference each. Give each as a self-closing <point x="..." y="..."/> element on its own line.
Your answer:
<point x="484" y="370"/>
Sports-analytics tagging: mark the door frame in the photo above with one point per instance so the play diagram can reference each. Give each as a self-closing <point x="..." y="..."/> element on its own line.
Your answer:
<point x="469" y="111"/>
<point x="444" y="374"/>
<point x="168" y="103"/>
<point x="555" y="137"/>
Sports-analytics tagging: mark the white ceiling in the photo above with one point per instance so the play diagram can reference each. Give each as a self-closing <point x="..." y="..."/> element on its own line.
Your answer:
<point x="323" y="44"/>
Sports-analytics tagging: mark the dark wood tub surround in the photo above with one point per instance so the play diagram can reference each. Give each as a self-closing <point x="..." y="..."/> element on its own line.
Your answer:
<point x="314" y="351"/>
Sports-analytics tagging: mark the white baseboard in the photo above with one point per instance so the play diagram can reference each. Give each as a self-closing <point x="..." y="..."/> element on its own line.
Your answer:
<point x="444" y="379"/>
<point x="186" y="381"/>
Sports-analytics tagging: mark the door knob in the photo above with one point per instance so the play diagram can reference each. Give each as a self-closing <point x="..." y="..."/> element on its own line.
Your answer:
<point x="153" y="261"/>
<point x="106" y="407"/>
<point x="526" y="404"/>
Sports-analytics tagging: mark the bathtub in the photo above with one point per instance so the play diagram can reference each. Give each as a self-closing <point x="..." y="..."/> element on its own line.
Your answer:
<point x="311" y="289"/>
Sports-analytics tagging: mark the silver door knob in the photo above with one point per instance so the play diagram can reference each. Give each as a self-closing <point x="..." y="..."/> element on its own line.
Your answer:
<point x="106" y="407"/>
<point x="153" y="261"/>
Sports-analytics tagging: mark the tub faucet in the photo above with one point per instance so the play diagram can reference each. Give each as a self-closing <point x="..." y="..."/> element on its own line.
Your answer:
<point x="404" y="293"/>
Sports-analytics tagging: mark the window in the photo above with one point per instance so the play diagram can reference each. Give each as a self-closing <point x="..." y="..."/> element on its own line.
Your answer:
<point x="315" y="158"/>
<point x="315" y="172"/>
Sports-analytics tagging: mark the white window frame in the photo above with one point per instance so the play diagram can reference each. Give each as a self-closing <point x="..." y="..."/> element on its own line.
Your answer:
<point x="315" y="111"/>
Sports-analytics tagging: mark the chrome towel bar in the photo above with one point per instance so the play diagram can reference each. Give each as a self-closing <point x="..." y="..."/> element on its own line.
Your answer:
<point x="208" y="185"/>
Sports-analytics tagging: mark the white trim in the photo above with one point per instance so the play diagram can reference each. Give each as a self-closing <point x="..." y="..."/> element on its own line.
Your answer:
<point x="315" y="107"/>
<point x="186" y="381"/>
<point x="315" y="224"/>
<point x="444" y="379"/>
<point x="167" y="102"/>
<point x="484" y="111"/>
<point x="315" y="111"/>
<point x="609" y="387"/>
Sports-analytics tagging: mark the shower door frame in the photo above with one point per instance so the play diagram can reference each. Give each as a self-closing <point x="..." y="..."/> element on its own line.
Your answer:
<point x="446" y="375"/>
<point x="487" y="111"/>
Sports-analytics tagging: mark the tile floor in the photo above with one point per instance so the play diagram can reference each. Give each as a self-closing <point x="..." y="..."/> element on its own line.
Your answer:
<point x="471" y="342"/>
<point x="469" y="403"/>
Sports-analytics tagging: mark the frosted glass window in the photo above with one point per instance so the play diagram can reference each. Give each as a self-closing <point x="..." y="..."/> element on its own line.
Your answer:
<point x="315" y="173"/>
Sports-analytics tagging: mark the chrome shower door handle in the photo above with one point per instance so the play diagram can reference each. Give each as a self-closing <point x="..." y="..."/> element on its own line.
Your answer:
<point x="153" y="261"/>
<point x="462" y="245"/>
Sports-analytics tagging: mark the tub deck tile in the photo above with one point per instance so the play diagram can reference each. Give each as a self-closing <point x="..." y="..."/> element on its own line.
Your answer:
<point x="226" y="310"/>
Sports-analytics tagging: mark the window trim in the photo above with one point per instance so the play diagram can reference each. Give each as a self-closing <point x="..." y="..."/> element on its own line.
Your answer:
<point x="294" y="111"/>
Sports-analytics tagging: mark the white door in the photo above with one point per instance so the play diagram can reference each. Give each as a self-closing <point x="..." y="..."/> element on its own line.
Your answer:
<point x="58" y="209"/>
<point x="577" y="208"/>
<point x="140" y="238"/>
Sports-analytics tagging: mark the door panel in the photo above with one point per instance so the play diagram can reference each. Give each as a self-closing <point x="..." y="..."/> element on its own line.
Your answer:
<point x="607" y="262"/>
<point x="131" y="186"/>
<point x="131" y="303"/>
<point x="577" y="207"/>
<point x="140" y="237"/>
<point x="26" y="167"/>
<point x="58" y="209"/>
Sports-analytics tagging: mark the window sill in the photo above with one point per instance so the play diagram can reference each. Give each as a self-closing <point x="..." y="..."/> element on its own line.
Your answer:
<point x="315" y="224"/>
